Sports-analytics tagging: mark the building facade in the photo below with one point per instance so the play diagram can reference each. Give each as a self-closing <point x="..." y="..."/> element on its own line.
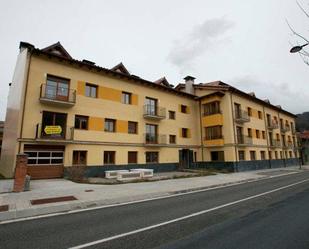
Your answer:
<point x="63" y="112"/>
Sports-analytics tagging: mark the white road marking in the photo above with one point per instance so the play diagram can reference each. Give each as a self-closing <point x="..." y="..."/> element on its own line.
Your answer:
<point x="143" y="200"/>
<point x="184" y="217"/>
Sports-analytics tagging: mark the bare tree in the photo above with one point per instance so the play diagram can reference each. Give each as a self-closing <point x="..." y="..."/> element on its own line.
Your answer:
<point x="302" y="41"/>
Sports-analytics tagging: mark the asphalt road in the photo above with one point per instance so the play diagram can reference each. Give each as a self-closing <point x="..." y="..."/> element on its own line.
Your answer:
<point x="271" y="213"/>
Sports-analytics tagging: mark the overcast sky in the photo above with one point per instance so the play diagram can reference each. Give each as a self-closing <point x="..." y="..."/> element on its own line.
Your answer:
<point x="243" y="43"/>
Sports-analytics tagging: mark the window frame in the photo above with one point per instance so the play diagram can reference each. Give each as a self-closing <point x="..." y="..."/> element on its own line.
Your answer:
<point x="156" y="153"/>
<point x="135" y="155"/>
<point x="171" y="115"/>
<point x="126" y="98"/>
<point x="107" y="126"/>
<point x="211" y="108"/>
<point x="91" y="87"/>
<point x="135" y="128"/>
<point x="81" y="118"/>
<point x="183" y="108"/>
<point x="213" y="132"/>
<point x="79" y="156"/>
<point x="174" y="139"/>
<point x="109" y="154"/>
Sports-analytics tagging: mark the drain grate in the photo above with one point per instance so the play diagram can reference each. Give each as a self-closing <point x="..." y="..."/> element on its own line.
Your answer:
<point x="52" y="200"/>
<point x="4" y="208"/>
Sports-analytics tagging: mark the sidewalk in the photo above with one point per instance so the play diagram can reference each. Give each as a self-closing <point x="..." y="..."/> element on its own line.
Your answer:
<point x="92" y="195"/>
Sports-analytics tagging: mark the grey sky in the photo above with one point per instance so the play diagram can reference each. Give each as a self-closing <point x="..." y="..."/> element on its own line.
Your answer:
<point x="244" y="43"/>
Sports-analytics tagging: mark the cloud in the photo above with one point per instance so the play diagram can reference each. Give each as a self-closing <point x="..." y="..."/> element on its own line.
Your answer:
<point x="289" y="96"/>
<point x="201" y="38"/>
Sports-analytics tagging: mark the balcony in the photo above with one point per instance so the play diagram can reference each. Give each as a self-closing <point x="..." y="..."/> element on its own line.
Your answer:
<point x="241" y="116"/>
<point x="154" y="139"/>
<point x="213" y="141"/>
<point x="272" y="125"/>
<point x="154" y="112"/>
<point x="54" y="132"/>
<point x="274" y="143"/>
<point x="290" y="145"/>
<point x="244" y="140"/>
<point x="284" y="129"/>
<point x="56" y="95"/>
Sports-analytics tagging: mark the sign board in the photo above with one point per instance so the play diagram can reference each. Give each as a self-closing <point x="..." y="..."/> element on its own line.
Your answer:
<point x="52" y="129"/>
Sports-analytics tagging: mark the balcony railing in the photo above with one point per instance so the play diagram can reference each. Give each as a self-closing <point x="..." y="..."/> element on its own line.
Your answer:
<point x="284" y="128"/>
<point x="211" y="113"/>
<point x="244" y="140"/>
<point x="272" y="125"/>
<point x="274" y="143"/>
<point x="155" y="139"/>
<point x="154" y="112"/>
<point x="206" y="138"/>
<point x="57" y="95"/>
<point x="55" y="132"/>
<point x="242" y="116"/>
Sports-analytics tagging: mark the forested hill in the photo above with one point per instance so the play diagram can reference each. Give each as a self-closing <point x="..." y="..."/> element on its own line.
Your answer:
<point x="302" y="121"/>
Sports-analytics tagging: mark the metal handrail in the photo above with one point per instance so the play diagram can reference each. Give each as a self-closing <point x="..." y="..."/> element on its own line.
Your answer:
<point x="57" y="93"/>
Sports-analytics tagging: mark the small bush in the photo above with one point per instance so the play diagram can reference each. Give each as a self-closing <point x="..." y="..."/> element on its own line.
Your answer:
<point x="76" y="173"/>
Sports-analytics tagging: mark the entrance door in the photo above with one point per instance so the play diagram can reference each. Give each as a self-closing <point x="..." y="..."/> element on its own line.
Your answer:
<point x="57" y="88"/>
<point x="53" y="125"/>
<point x="185" y="158"/>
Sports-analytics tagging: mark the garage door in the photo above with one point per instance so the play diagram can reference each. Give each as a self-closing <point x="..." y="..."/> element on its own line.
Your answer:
<point x="44" y="162"/>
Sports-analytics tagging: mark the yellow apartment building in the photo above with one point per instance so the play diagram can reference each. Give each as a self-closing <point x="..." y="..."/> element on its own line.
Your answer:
<point x="63" y="113"/>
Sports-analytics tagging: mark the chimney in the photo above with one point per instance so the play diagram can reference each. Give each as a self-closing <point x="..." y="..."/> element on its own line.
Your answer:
<point x="189" y="80"/>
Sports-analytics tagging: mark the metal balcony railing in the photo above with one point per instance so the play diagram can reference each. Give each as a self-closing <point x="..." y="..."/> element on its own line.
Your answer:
<point x="241" y="116"/>
<point x="206" y="138"/>
<point x="56" y="132"/>
<point x="154" y="112"/>
<point x="57" y="95"/>
<point x="274" y="143"/>
<point x="284" y="128"/>
<point x="244" y="140"/>
<point x="154" y="139"/>
<point x="272" y="125"/>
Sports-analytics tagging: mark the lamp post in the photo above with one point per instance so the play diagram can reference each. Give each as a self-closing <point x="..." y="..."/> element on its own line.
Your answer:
<point x="296" y="49"/>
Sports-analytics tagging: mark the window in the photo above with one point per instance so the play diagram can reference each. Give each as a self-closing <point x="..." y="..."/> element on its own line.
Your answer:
<point x="109" y="157"/>
<point x="183" y="108"/>
<point x="217" y="156"/>
<point x="211" y="108"/>
<point x="290" y="154"/>
<point x="132" y="156"/>
<point x="126" y="98"/>
<point x="91" y="90"/>
<point x="151" y="134"/>
<point x="151" y="106"/>
<point x="281" y="155"/>
<point x="278" y="137"/>
<point x="57" y="88"/>
<point x="152" y="157"/>
<point x="132" y="127"/>
<point x="79" y="157"/>
<point x="263" y="135"/>
<point x="184" y="132"/>
<point x="268" y="117"/>
<point x="241" y="155"/>
<point x="249" y="111"/>
<point x="249" y="132"/>
<point x="263" y="155"/>
<point x="44" y="157"/>
<point x="257" y="133"/>
<point x="110" y="125"/>
<point x="213" y="132"/>
<point x="171" y="115"/>
<point x="81" y="122"/>
<point x="172" y="139"/>
<point x="276" y="154"/>
<point x="252" y="155"/>
<point x="260" y="115"/>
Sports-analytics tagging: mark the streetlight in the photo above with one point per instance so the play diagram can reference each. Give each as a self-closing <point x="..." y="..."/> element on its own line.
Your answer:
<point x="296" y="49"/>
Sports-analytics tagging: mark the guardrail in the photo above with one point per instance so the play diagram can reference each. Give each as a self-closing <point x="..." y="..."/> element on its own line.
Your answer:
<point x="241" y="116"/>
<point x="57" y="94"/>
<point x="154" y="112"/>
<point x="54" y="132"/>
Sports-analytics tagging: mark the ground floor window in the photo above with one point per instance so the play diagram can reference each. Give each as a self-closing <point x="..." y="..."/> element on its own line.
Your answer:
<point x="79" y="157"/>
<point x="132" y="157"/>
<point x="44" y="157"/>
<point x="270" y="155"/>
<point x="276" y="154"/>
<point x="290" y="153"/>
<point x="152" y="157"/>
<point x="109" y="157"/>
<point x="241" y="155"/>
<point x="252" y="155"/>
<point x="217" y="155"/>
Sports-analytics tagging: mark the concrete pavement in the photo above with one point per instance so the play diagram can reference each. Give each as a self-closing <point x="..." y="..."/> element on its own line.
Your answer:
<point x="94" y="195"/>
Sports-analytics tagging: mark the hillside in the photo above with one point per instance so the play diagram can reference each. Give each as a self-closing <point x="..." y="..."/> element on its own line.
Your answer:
<point x="302" y="121"/>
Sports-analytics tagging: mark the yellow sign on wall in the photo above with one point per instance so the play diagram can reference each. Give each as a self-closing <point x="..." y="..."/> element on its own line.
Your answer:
<point x="52" y="129"/>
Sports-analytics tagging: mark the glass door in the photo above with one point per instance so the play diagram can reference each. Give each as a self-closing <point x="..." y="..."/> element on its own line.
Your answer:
<point x="53" y="125"/>
<point x="151" y="133"/>
<point x="57" y="88"/>
<point x="151" y="106"/>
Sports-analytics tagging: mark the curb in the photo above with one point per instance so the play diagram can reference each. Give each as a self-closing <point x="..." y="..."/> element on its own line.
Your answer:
<point x="80" y="206"/>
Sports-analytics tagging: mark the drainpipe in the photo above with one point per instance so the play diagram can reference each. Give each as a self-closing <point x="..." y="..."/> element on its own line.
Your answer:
<point x="201" y="129"/>
<point x="267" y="136"/>
<point x="234" y="134"/>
